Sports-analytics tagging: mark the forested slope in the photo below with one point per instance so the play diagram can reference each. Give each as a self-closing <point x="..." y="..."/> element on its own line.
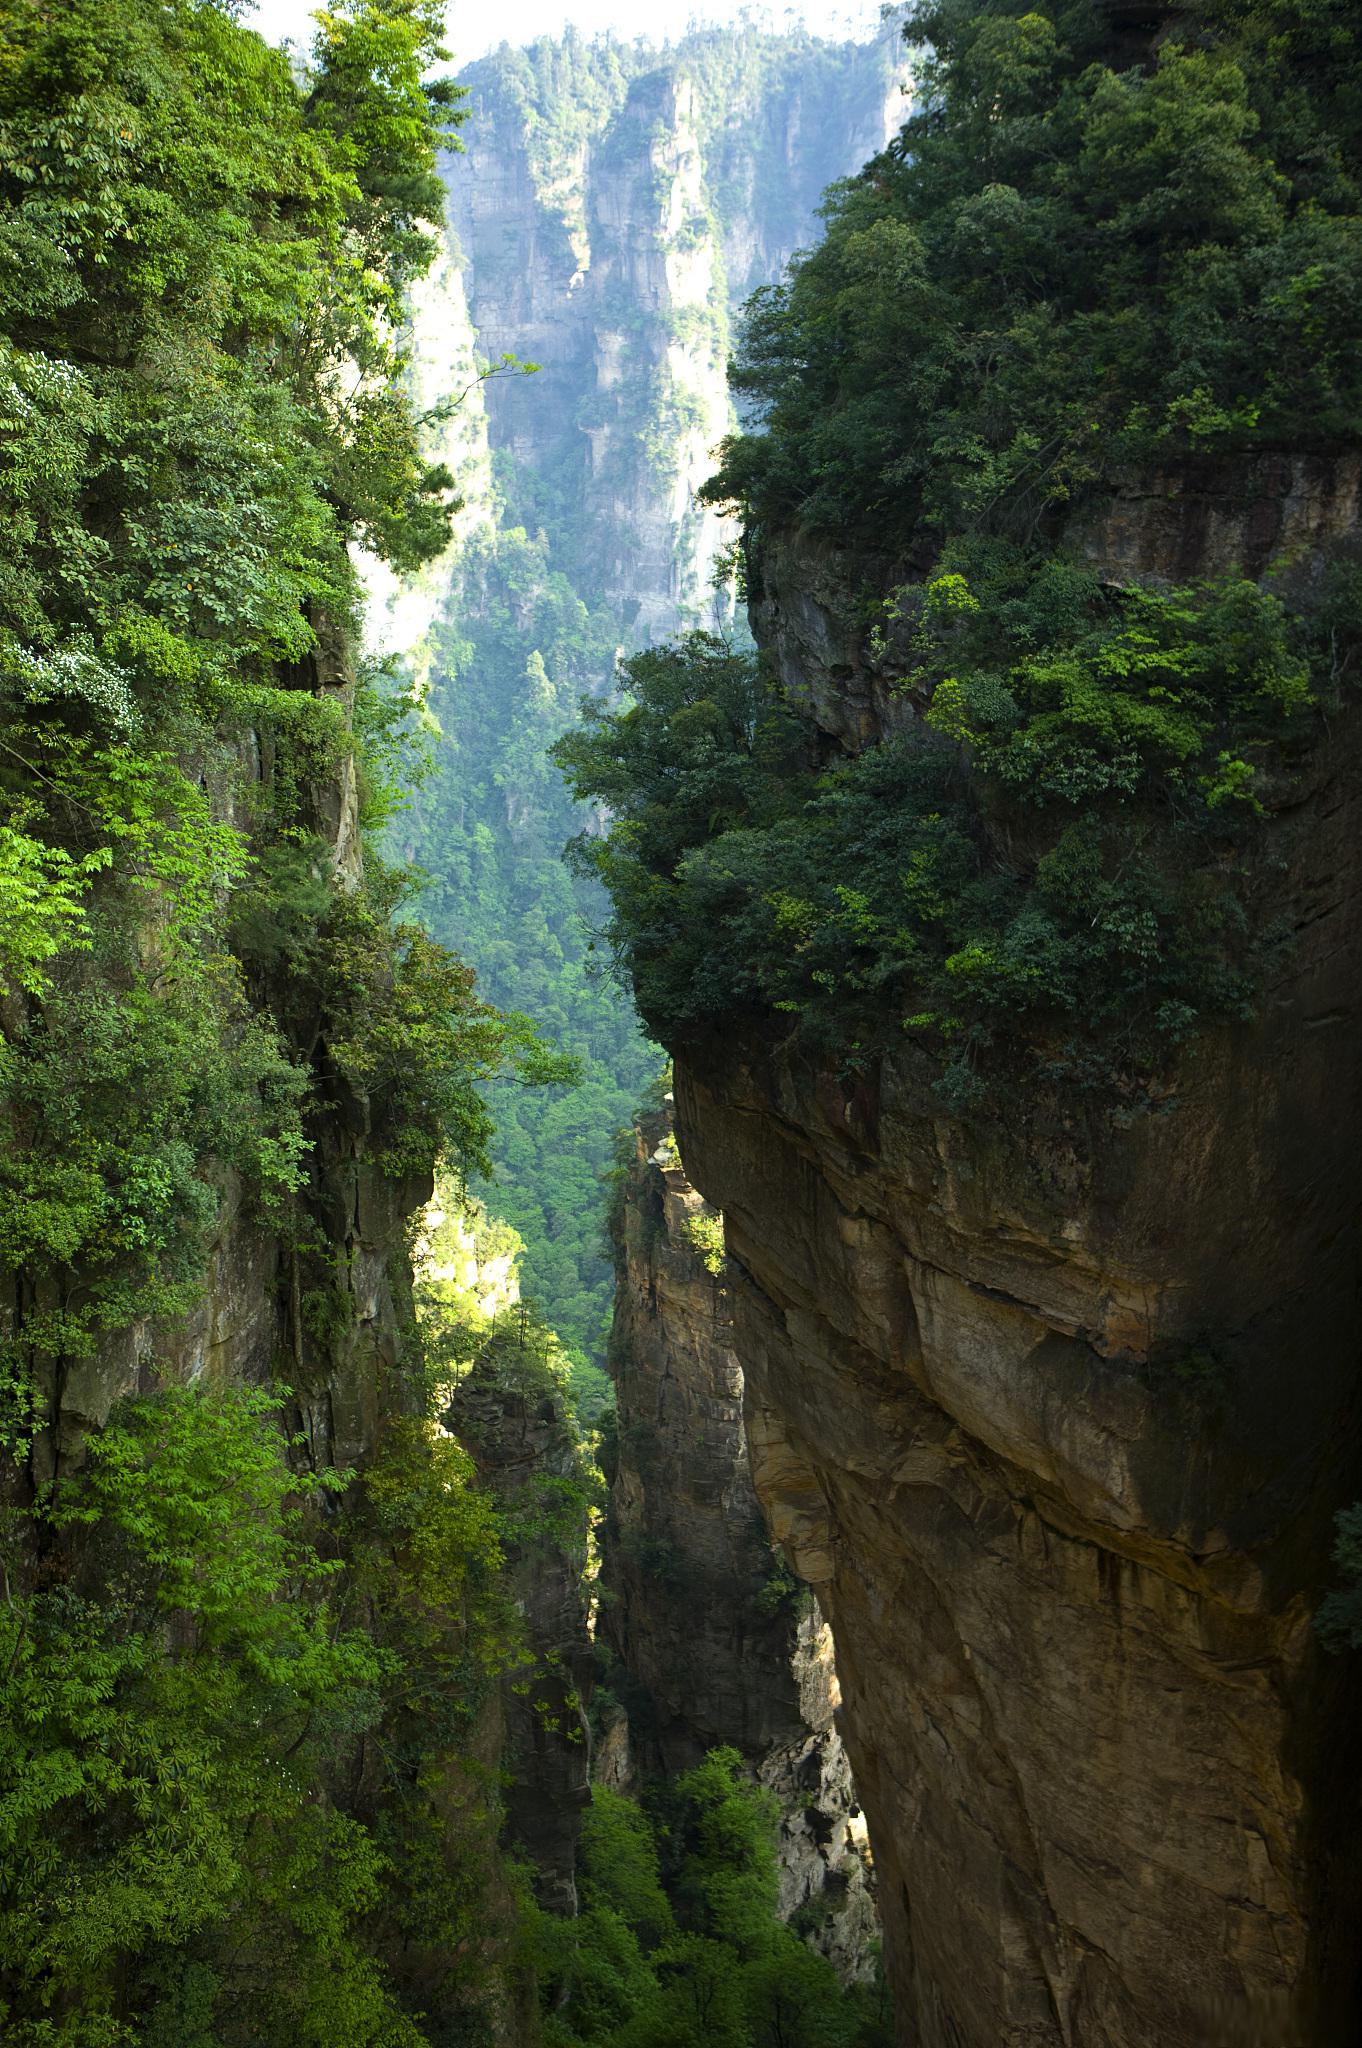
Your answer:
<point x="253" y="1619"/>
<point x="619" y="202"/>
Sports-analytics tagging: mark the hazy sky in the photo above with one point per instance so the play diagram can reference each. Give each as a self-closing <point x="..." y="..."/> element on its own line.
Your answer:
<point x="479" y="25"/>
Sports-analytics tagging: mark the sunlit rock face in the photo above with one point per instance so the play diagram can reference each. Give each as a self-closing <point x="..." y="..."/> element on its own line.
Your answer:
<point x="616" y="205"/>
<point x="1109" y="1773"/>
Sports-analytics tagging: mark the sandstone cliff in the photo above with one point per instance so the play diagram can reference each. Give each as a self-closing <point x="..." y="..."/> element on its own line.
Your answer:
<point x="1054" y="1415"/>
<point x="620" y="205"/>
<point x="719" y="1645"/>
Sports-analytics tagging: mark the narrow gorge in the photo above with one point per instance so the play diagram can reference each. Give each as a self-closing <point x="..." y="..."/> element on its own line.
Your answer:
<point x="679" y="943"/>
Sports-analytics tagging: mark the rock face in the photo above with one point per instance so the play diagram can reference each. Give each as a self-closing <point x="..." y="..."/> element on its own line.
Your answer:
<point x="694" y="1602"/>
<point x="827" y="1879"/>
<point x="525" y="1451"/>
<point x="258" y="1311"/>
<point x="617" y="205"/>
<point x="719" y="1644"/>
<point x="1054" y="1417"/>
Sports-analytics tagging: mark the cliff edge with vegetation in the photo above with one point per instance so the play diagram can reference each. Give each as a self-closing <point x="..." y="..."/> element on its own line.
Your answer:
<point x="254" y="1618"/>
<point x="1002" y="919"/>
<point x="617" y="202"/>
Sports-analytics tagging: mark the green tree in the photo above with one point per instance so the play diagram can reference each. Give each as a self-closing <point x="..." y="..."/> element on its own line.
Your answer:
<point x="1079" y="254"/>
<point x="678" y="1944"/>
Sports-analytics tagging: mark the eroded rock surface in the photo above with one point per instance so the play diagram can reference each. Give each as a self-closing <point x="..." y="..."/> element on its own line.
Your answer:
<point x="524" y="1449"/>
<point x="1054" y="1416"/>
<point x="827" y="1879"/>
<point x="692" y="1599"/>
<point x="722" y="1646"/>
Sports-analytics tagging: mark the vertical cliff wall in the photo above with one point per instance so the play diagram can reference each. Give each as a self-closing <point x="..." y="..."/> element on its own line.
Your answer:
<point x="695" y="1603"/>
<point x="719" y="1644"/>
<point x="1054" y="1414"/>
<point x="1013" y="1049"/>
<point x="255" y="1313"/>
<point x="624" y="202"/>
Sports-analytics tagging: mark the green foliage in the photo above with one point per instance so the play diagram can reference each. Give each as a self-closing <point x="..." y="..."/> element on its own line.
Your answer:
<point x="1051" y="853"/>
<point x="41" y="911"/>
<point x="704" y="1233"/>
<point x="490" y="822"/>
<point x="408" y="1031"/>
<point x="173" y="204"/>
<point x="620" y="1862"/>
<point x="1079" y="257"/>
<point x="467" y="1270"/>
<point x="200" y="410"/>
<point x="240" y="1798"/>
<point x="537" y="613"/>
<point x="677" y="1944"/>
<point x="168" y="1702"/>
<point x="109" y="1185"/>
<point x="182" y="1857"/>
<point x="782" y="1593"/>
<point x="1340" y="1612"/>
<point x="1076" y="257"/>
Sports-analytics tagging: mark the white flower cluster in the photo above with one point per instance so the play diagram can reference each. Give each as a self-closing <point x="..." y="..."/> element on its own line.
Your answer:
<point x="77" y="671"/>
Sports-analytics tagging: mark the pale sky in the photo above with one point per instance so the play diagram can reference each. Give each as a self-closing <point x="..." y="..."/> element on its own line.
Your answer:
<point x="476" y="26"/>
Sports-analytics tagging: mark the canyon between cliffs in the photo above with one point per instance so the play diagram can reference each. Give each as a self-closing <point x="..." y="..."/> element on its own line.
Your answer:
<point x="1052" y="1413"/>
<point x="694" y="1445"/>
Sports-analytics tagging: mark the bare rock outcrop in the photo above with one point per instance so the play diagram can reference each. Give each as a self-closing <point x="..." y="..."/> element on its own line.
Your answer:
<point x="720" y="1644"/>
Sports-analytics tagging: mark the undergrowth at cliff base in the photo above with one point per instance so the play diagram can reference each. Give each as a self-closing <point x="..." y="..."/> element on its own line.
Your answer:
<point x="677" y="1944"/>
<point x="241" y="1802"/>
<point x="1055" y="853"/>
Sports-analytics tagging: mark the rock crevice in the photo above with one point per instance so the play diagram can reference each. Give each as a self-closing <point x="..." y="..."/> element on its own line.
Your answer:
<point x="717" y="1643"/>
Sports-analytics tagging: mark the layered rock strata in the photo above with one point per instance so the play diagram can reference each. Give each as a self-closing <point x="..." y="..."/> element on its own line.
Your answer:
<point x="1070" y="1568"/>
